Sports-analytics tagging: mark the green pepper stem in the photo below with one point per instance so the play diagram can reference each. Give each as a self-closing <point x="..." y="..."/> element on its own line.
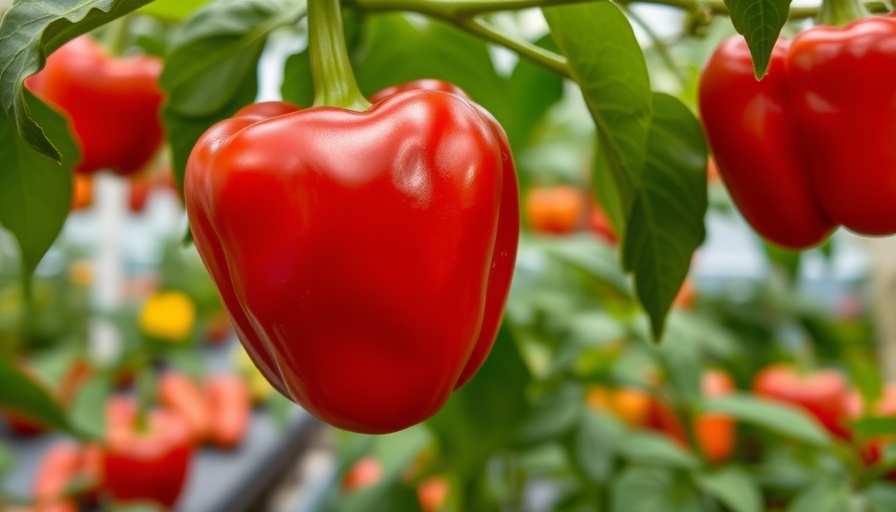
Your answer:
<point x="840" y="12"/>
<point x="331" y="69"/>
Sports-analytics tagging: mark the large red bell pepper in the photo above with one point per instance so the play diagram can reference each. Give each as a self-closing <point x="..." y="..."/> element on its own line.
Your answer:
<point x="364" y="257"/>
<point x="811" y="145"/>
<point x="113" y="104"/>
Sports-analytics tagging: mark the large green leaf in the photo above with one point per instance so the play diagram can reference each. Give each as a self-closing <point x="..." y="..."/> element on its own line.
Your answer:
<point x="665" y="225"/>
<point x="733" y="488"/>
<point x="35" y="191"/>
<point x="760" y="22"/>
<point x="31" y="30"/>
<point x="608" y="64"/>
<point x="25" y="394"/>
<point x="211" y="70"/>
<point x="399" y="50"/>
<point x="478" y="418"/>
<point x="781" y="419"/>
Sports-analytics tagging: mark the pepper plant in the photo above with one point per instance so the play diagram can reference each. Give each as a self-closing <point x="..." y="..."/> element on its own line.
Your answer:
<point x="647" y="172"/>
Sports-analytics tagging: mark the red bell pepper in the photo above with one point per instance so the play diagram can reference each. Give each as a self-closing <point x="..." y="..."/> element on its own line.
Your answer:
<point x="113" y="104"/>
<point x="356" y="252"/>
<point x="823" y="394"/>
<point x="148" y="464"/>
<point x="810" y="146"/>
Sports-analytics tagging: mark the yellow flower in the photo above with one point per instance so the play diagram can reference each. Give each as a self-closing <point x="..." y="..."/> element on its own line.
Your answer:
<point x="168" y="316"/>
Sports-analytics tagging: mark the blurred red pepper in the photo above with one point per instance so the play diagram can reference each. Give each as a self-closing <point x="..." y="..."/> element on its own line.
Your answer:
<point x="178" y="392"/>
<point x="65" y="464"/>
<point x="805" y="150"/>
<point x="417" y="253"/>
<point x="823" y="394"/>
<point x="148" y="464"/>
<point x="230" y="407"/>
<point x="113" y="104"/>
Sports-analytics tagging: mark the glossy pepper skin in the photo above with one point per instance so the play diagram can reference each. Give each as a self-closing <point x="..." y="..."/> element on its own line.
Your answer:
<point x="112" y="103"/>
<point x="756" y="146"/>
<point x="810" y="146"/>
<point x="355" y="252"/>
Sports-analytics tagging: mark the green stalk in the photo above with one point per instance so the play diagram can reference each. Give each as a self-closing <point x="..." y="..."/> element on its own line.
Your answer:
<point x="535" y="53"/>
<point x="115" y="37"/>
<point x="840" y="12"/>
<point x="331" y="69"/>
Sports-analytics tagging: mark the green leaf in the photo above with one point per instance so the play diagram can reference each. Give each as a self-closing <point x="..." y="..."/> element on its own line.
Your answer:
<point x="733" y="488"/>
<point x="90" y="401"/>
<point x="298" y="87"/>
<point x="29" y="32"/>
<point x="7" y="460"/>
<point x="586" y="253"/>
<point x="171" y="10"/>
<point x="608" y="64"/>
<point x="830" y="496"/>
<point x="35" y="191"/>
<point x="477" y="418"/>
<point x="665" y="226"/>
<point x="881" y="496"/>
<point x="555" y="414"/>
<point x="653" y="449"/>
<point x="786" y="260"/>
<point x="864" y="373"/>
<point x="211" y="70"/>
<point x="781" y="419"/>
<point x="399" y="50"/>
<point x="23" y="393"/>
<point x="681" y="362"/>
<point x="760" y="22"/>
<point x="873" y="427"/>
<point x="594" y="445"/>
<point x="641" y="489"/>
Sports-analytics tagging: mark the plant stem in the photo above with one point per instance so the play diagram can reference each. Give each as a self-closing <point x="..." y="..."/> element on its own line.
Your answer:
<point x="840" y="12"/>
<point x="331" y="69"/>
<point x="456" y="8"/>
<point x="537" y="54"/>
<point x="115" y="38"/>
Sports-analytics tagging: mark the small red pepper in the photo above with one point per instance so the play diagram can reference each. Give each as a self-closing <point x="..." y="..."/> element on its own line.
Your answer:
<point x="823" y="394"/>
<point x="178" y="393"/>
<point x="356" y="251"/>
<point x="62" y="465"/>
<point x="113" y="104"/>
<point x="230" y="407"/>
<point x="811" y="146"/>
<point x="145" y="465"/>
